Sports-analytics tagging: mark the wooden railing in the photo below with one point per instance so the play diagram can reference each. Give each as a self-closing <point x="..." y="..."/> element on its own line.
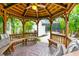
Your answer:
<point x="14" y="36"/>
<point x="60" y="38"/>
<point x="30" y="34"/>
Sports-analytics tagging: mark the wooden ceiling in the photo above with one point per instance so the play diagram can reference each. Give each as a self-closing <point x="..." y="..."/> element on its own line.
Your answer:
<point x="44" y="9"/>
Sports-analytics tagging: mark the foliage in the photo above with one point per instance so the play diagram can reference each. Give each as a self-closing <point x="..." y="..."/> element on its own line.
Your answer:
<point x="28" y="26"/>
<point x="62" y="23"/>
<point x="59" y="24"/>
<point x="1" y="24"/>
<point x="74" y="19"/>
<point x="16" y="25"/>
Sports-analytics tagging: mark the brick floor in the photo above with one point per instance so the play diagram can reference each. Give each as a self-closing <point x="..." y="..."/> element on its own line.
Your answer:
<point x="39" y="49"/>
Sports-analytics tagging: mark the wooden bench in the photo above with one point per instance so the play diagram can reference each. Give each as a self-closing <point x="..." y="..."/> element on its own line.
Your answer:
<point x="51" y="41"/>
<point x="12" y="45"/>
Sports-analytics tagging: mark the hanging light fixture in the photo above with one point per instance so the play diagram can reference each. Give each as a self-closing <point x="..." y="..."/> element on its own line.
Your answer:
<point x="34" y="7"/>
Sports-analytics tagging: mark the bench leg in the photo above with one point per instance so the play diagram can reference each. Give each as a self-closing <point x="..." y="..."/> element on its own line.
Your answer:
<point x="13" y="47"/>
<point x="25" y="42"/>
<point x="7" y="52"/>
<point x="50" y="43"/>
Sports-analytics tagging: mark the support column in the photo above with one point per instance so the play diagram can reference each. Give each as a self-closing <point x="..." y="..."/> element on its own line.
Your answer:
<point x="4" y="21"/>
<point x="67" y="25"/>
<point x="37" y="27"/>
<point x="50" y="28"/>
<point x="23" y="26"/>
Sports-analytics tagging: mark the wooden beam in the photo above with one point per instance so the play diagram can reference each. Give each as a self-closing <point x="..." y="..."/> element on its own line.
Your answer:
<point x="60" y="5"/>
<point x="43" y="14"/>
<point x="70" y="9"/>
<point x="52" y="9"/>
<point x="11" y="5"/>
<point x="56" y="10"/>
<point x="48" y="12"/>
<point x="14" y="14"/>
<point x="15" y="10"/>
<point x="23" y="4"/>
<point x="36" y="17"/>
<point x="50" y="6"/>
<point x="37" y="14"/>
<point x="68" y="6"/>
<point x="26" y="9"/>
<point x="20" y="6"/>
<point x="1" y="5"/>
<point x="15" y="7"/>
<point x="56" y="15"/>
<point x="1" y="13"/>
<point x="42" y="6"/>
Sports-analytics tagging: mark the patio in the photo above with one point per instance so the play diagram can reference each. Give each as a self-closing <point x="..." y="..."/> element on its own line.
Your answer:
<point x="38" y="29"/>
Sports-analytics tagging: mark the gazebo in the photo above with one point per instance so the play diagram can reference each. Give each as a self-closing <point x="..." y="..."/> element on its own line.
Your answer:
<point x="37" y="11"/>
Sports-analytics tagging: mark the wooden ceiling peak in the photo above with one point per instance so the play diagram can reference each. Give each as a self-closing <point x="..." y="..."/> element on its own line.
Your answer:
<point x="44" y="9"/>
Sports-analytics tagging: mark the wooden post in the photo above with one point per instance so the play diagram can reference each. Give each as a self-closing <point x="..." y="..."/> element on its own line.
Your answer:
<point x="23" y="27"/>
<point x="37" y="26"/>
<point x="50" y="28"/>
<point x="4" y="21"/>
<point x="67" y="31"/>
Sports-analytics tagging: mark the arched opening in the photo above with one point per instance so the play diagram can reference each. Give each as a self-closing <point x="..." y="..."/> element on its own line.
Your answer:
<point x="14" y="26"/>
<point x="1" y="24"/>
<point x="59" y="25"/>
<point x="44" y="30"/>
<point x="30" y="26"/>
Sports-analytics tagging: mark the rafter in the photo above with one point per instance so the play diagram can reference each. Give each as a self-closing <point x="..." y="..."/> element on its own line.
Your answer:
<point x="60" y="6"/>
<point x="68" y="6"/>
<point x="26" y="9"/>
<point x="45" y="7"/>
<point x="56" y="10"/>
<point x="71" y="8"/>
<point x="15" y="7"/>
<point x="11" y="6"/>
<point x="37" y="13"/>
<point x="20" y="6"/>
<point x="14" y="14"/>
<point x="56" y="15"/>
<point x="48" y="12"/>
<point x="16" y="10"/>
<point x="45" y="10"/>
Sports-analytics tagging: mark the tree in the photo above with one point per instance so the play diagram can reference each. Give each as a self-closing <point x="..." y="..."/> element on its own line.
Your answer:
<point x="62" y="24"/>
<point x="74" y="20"/>
<point x="1" y="24"/>
<point x="16" y="25"/>
<point x="28" y="26"/>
